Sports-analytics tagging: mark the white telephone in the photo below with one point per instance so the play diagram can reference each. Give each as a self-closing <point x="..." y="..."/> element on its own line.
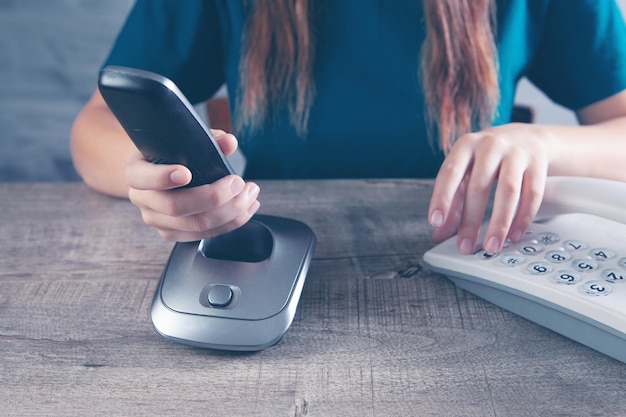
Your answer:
<point x="567" y="274"/>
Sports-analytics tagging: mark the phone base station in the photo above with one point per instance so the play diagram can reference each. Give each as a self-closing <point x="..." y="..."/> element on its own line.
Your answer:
<point x="238" y="291"/>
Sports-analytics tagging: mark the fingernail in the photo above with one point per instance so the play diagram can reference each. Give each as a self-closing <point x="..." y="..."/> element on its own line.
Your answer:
<point x="436" y="218"/>
<point x="516" y="235"/>
<point x="492" y="245"/>
<point x="466" y="246"/>
<point x="179" y="177"/>
<point x="253" y="191"/>
<point x="236" y="185"/>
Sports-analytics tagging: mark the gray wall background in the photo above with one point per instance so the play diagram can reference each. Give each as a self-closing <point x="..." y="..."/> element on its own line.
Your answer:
<point x="50" y="52"/>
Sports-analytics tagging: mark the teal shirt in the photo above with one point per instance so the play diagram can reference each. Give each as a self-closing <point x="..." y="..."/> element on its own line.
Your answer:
<point x="367" y="120"/>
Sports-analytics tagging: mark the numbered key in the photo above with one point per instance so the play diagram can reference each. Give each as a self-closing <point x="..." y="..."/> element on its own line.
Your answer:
<point x="574" y="245"/>
<point x="567" y="277"/>
<point x="485" y="256"/>
<point x="613" y="275"/>
<point x="596" y="288"/>
<point x="539" y="268"/>
<point x="558" y="256"/>
<point x="585" y="265"/>
<point x="530" y="248"/>
<point x="601" y="254"/>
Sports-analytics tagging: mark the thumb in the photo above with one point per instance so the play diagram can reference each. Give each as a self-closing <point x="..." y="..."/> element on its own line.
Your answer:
<point x="143" y="175"/>
<point x="180" y="177"/>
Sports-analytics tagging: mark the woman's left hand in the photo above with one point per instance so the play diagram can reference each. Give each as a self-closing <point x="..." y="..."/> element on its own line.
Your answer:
<point x="513" y="157"/>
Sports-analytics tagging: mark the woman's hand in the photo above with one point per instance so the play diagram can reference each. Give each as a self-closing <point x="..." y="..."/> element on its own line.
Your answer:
<point x="514" y="157"/>
<point x="195" y="213"/>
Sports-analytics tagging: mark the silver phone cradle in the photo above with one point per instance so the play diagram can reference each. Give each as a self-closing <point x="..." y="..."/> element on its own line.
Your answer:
<point x="238" y="291"/>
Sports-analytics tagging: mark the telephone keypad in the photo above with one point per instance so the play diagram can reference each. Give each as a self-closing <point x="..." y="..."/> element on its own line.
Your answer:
<point x="592" y="269"/>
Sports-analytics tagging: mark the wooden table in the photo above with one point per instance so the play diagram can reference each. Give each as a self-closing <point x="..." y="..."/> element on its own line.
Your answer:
<point x="376" y="333"/>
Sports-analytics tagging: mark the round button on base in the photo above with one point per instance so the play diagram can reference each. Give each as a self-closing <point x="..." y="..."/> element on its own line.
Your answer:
<point x="220" y="296"/>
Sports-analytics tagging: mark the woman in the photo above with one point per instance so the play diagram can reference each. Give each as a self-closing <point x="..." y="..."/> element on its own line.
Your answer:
<point x="355" y="88"/>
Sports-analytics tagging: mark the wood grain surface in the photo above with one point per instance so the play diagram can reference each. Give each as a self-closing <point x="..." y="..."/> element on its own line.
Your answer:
<point x="376" y="333"/>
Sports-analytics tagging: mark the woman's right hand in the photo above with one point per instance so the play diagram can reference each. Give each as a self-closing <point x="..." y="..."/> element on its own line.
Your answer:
<point x="189" y="214"/>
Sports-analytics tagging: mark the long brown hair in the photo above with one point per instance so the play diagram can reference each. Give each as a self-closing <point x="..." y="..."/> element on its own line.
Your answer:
<point x="458" y="65"/>
<point x="277" y="59"/>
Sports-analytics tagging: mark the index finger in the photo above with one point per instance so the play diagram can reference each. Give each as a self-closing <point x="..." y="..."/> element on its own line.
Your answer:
<point x="449" y="179"/>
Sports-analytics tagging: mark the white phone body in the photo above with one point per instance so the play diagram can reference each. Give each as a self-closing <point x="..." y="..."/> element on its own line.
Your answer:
<point x="567" y="274"/>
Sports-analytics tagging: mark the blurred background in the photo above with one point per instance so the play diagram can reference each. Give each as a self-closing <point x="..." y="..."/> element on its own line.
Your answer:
<point x="50" y="53"/>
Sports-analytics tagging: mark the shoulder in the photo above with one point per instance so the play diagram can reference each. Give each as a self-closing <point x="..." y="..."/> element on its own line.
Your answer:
<point x="539" y="13"/>
<point x="576" y="49"/>
<point x="181" y="40"/>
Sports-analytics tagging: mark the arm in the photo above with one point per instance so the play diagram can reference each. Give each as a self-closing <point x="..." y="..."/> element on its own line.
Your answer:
<point x="598" y="147"/>
<point x="519" y="157"/>
<point x="100" y="148"/>
<point x="109" y="162"/>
